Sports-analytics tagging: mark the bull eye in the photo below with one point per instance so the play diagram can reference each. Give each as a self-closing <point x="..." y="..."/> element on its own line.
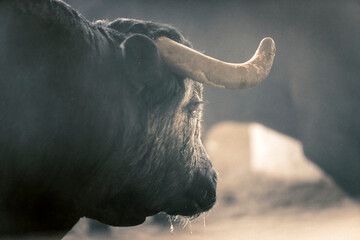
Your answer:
<point x="194" y="108"/>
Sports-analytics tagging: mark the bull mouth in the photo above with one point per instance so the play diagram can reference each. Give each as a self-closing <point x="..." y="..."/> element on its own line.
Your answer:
<point x="191" y="208"/>
<point x="132" y="214"/>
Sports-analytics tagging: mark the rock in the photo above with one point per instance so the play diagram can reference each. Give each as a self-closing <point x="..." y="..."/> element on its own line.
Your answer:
<point x="264" y="170"/>
<point x="258" y="149"/>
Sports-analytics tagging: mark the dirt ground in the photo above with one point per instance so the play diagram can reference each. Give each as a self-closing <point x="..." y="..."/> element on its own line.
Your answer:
<point x="252" y="205"/>
<point x="340" y="222"/>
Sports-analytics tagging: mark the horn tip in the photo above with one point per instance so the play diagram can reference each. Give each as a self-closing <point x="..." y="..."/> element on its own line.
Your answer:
<point x="268" y="44"/>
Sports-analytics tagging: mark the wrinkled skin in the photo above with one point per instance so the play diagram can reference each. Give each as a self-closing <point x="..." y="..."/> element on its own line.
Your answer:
<point x="93" y="123"/>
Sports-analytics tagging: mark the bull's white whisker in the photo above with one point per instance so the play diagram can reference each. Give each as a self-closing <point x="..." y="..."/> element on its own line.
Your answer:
<point x="186" y="222"/>
<point x="171" y="224"/>
<point x="190" y="227"/>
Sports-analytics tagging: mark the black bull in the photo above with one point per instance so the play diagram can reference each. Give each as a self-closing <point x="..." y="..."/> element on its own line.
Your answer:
<point x="93" y="124"/>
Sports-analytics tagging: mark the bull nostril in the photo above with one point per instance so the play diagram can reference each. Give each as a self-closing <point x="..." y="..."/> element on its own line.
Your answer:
<point x="209" y="198"/>
<point x="203" y="190"/>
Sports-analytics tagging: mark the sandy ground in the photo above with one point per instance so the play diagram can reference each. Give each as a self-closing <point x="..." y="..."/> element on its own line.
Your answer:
<point x="253" y="205"/>
<point x="335" y="223"/>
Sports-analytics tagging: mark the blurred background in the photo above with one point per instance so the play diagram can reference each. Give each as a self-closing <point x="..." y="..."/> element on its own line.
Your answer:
<point x="310" y="103"/>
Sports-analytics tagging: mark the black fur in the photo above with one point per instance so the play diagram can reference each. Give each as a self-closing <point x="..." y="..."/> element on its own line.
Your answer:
<point x="93" y="123"/>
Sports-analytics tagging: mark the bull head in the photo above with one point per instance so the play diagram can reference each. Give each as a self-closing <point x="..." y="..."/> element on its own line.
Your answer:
<point x="188" y="182"/>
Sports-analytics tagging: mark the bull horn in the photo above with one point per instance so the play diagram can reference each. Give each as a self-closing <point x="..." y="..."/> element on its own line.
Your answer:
<point x="201" y="68"/>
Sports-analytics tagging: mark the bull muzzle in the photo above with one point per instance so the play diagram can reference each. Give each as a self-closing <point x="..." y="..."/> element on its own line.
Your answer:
<point x="201" y="68"/>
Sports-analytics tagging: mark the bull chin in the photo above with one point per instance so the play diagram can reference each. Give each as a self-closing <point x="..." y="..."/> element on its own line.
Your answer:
<point x="118" y="218"/>
<point x="124" y="220"/>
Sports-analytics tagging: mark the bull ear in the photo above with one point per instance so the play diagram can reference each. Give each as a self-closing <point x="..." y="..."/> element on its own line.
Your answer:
<point x="142" y="61"/>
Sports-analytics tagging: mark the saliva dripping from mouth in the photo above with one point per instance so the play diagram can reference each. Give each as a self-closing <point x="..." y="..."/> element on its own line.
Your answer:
<point x="183" y="221"/>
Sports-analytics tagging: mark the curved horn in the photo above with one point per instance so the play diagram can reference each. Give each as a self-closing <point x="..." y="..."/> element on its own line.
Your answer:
<point x="201" y="68"/>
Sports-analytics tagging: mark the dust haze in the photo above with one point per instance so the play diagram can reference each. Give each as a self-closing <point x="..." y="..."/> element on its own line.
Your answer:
<point x="311" y="94"/>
